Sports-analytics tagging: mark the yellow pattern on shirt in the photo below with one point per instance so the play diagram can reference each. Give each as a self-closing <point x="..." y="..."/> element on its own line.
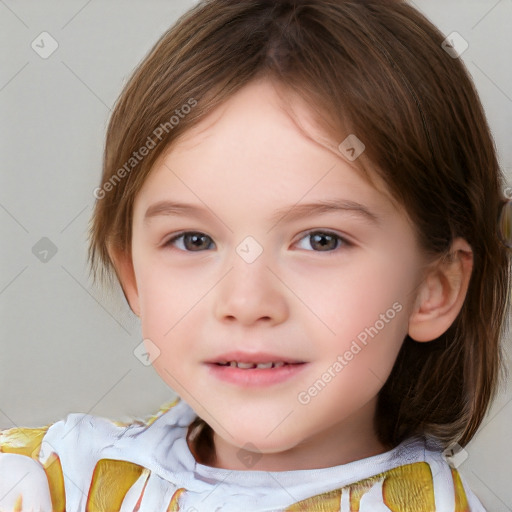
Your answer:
<point x="408" y="488"/>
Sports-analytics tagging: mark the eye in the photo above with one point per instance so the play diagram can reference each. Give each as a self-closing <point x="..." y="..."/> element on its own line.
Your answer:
<point x="325" y="241"/>
<point x="191" y="241"/>
<point x="195" y="241"/>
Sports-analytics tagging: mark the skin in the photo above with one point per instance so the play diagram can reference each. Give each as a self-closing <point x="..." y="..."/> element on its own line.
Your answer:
<point x="298" y="298"/>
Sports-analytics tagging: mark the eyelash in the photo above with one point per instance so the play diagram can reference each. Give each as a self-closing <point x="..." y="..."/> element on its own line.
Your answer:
<point x="344" y="243"/>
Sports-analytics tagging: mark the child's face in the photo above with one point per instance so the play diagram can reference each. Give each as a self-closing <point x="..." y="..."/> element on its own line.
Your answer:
<point x="304" y="298"/>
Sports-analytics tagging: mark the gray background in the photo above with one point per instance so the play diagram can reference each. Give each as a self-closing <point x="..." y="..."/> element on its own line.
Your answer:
<point x="68" y="347"/>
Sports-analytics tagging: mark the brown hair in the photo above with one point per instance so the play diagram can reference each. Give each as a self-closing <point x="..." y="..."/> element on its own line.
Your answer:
<point x="376" y="69"/>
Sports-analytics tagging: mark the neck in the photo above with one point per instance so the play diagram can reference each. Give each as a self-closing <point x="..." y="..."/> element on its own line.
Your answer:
<point x="349" y="441"/>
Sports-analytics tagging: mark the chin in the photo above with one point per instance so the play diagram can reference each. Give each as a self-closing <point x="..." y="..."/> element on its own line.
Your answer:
<point x="260" y="441"/>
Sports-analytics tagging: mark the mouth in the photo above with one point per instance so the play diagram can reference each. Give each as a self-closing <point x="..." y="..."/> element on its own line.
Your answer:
<point x="260" y="366"/>
<point x="254" y="369"/>
<point x="253" y="360"/>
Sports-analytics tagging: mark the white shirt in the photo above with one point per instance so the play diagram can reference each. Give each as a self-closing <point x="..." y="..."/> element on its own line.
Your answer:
<point x="164" y="471"/>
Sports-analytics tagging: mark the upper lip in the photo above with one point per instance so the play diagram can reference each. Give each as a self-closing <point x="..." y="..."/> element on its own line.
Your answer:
<point x="256" y="357"/>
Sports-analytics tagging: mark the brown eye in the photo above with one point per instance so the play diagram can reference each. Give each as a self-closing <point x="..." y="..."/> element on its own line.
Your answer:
<point x="324" y="241"/>
<point x="191" y="241"/>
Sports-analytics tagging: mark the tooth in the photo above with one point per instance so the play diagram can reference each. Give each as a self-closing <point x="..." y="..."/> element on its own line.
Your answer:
<point x="246" y="365"/>
<point x="264" y="365"/>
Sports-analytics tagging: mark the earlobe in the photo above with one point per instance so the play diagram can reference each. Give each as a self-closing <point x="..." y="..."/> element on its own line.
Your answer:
<point x="125" y="273"/>
<point x="442" y="293"/>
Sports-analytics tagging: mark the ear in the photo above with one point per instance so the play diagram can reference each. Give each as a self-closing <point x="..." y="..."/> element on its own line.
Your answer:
<point x="441" y="294"/>
<point x="123" y="265"/>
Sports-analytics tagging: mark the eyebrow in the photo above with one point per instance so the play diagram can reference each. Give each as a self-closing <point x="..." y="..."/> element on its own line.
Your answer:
<point x="297" y="211"/>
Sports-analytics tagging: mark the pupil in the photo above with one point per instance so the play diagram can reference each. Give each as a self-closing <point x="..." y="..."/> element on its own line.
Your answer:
<point x="196" y="240"/>
<point x="321" y="240"/>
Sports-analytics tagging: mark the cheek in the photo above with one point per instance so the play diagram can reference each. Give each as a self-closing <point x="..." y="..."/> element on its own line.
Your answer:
<point x="169" y="304"/>
<point x="165" y="296"/>
<point x="354" y="297"/>
<point x="165" y="320"/>
<point x="365" y="309"/>
<point x="156" y="305"/>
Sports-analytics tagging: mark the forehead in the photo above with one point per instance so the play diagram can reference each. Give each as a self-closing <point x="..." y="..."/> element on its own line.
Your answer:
<point x="261" y="106"/>
<point x="258" y="138"/>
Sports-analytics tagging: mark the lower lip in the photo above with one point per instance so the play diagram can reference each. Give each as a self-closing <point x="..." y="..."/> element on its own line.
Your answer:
<point x="255" y="376"/>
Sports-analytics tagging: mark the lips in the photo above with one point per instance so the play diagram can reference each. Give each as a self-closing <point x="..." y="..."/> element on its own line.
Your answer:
<point x="254" y="370"/>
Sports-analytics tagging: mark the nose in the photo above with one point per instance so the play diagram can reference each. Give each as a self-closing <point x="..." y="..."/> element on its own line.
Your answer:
<point x="251" y="293"/>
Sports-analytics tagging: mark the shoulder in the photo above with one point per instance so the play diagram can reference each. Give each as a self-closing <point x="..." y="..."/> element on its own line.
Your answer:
<point x="23" y="480"/>
<point x="413" y="476"/>
<point x="85" y="437"/>
<point x="32" y="459"/>
<point x="431" y="477"/>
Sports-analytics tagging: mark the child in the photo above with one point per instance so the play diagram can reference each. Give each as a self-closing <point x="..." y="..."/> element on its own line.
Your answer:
<point x="311" y="377"/>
